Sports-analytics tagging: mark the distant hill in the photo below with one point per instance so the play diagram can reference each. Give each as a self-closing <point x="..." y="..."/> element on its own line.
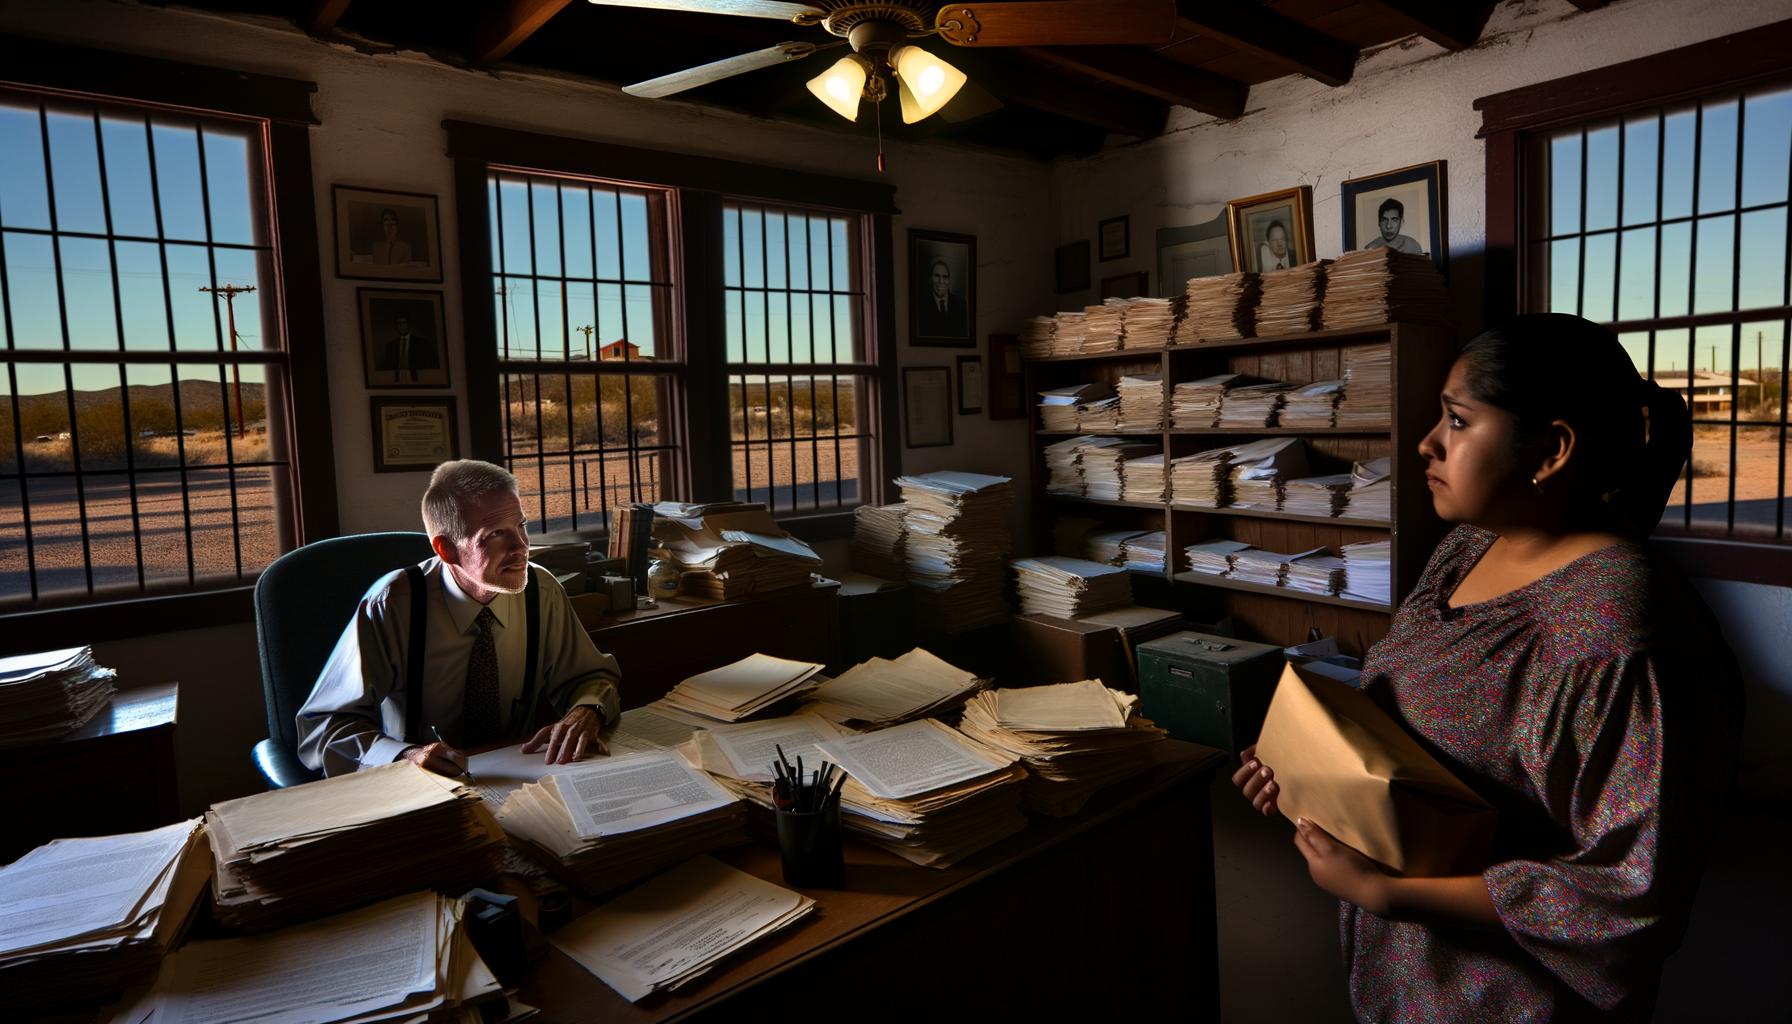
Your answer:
<point x="203" y="398"/>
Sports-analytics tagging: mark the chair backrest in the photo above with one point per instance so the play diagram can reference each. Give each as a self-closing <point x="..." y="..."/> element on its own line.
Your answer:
<point x="302" y="603"/>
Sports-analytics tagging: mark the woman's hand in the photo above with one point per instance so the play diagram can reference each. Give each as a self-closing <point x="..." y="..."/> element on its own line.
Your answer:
<point x="1341" y="870"/>
<point x="1257" y="781"/>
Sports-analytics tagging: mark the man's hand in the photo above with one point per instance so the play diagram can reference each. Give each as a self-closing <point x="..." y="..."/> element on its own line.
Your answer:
<point x="1341" y="870"/>
<point x="569" y="739"/>
<point x="439" y="758"/>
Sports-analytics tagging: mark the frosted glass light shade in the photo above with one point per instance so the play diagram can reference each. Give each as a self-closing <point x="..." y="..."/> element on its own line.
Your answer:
<point x="927" y="83"/>
<point x="841" y="86"/>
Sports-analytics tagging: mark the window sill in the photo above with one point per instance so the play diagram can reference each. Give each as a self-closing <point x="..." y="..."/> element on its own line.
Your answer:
<point x="77" y="625"/>
<point x="1716" y="558"/>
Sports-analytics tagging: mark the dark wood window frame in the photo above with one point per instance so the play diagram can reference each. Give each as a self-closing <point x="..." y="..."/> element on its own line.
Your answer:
<point x="285" y="105"/>
<point x="1510" y="119"/>
<point x="704" y="184"/>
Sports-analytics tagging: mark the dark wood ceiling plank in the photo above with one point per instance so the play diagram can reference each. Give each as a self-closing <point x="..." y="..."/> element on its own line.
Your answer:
<point x="1272" y="37"/>
<point x="1589" y="5"/>
<point x="1018" y="84"/>
<point x="1453" y="26"/>
<point x="504" y="28"/>
<point x="1056" y="22"/>
<point x="1153" y="76"/>
<point x="322" y="15"/>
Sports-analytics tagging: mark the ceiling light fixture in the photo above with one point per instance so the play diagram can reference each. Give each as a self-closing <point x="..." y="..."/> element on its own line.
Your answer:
<point x="842" y="86"/>
<point x="927" y="82"/>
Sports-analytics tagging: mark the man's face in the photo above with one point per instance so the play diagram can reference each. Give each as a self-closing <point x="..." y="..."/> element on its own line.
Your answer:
<point x="494" y="558"/>
<point x="1278" y="241"/>
<point x="403" y="324"/>
<point x="1390" y="225"/>
<point x="389" y="225"/>
<point x="941" y="279"/>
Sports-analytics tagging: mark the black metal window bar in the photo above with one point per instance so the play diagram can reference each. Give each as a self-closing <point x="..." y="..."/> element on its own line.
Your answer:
<point x="591" y="373"/>
<point x="1671" y="226"/>
<point x="798" y="374"/>
<point x="142" y="445"/>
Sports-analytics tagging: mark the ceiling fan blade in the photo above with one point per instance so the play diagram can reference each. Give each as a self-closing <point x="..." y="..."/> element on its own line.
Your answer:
<point x="745" y="8"/>
<point x="1057" y="23"/>
<point x="973" y="101"/>
<point x="703" y="74"/>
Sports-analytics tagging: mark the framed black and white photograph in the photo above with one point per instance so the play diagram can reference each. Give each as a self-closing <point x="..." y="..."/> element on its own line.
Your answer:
<point x="1200" y="250"/>
<point x="413" y="434"/>
<point x="927" y="406"/>
<point x="942" y="298"/>
<point x="970" y="385"/>
<point x="1115" y="235"/>
<point x="1072" y="261"/>
<point x="1126" y="286"/>
<point x="1404" y="210"/>
<point x="1272" y="231"/>
<point x="402" y="338"/>
<point x="386" y="236"/>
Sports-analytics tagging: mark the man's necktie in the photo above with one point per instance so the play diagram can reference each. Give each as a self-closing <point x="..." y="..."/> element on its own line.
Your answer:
<point x="479" y="711"/>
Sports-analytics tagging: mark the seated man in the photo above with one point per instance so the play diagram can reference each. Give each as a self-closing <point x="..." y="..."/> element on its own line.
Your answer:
<point x="472" y="677"/>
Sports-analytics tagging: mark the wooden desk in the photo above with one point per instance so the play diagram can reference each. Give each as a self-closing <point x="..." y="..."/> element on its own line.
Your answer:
<point x="114" y="774"/>
<point x="1116" y="903"/>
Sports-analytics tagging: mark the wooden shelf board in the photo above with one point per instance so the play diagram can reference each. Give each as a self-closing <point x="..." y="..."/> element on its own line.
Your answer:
<point x="1265" y="513"/>
<point x="1282" y="431"/>
<point x="1205" y="580"/>
<point x="1371" y="333"/>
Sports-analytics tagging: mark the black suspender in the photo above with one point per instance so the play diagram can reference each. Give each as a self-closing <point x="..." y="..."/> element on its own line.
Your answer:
<point x="415" y="655"/>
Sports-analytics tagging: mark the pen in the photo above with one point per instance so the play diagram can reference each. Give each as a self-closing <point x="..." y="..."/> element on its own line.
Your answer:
<point x="464" y="770"/>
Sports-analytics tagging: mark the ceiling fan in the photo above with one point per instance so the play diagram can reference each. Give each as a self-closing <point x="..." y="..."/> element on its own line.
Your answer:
<point x="881" y="36"/>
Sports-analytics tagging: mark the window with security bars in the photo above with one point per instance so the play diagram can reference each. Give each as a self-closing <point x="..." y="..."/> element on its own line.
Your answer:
<point x="143" y="440"/>
<point x="799" y="378"/>
<point x="1670" y="225"/>
<point x="589" y="366"/>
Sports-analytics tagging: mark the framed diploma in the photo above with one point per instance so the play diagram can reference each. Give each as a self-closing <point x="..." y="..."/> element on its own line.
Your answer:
<point x="927" y="406"/>
<point x="970" y="385"/>
<point x="413" y="434"/>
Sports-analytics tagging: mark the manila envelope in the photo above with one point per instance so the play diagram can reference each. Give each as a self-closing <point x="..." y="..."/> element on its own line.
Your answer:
<point x="1343" y="764"/>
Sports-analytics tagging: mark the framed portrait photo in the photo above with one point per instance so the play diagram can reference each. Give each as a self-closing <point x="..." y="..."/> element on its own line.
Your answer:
<point x="1272" y="231"/>
<point x="1116" y="238"/>
<point x="402" y="338"/>
<point x="927" y="406"/>
<point x="942" y="293"/>
<point x="413" y="434"/>
<point x="1405" y="210"/>
<point x="386" y="236"/>
<point x="970" y="385"/>
<point x="1072" y="261"/>
<point x="1200" y="250"/>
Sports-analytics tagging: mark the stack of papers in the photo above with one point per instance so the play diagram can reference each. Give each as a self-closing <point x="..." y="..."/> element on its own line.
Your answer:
<point x="1195" y="404"/>
<point x="1317" y="495"/>
<point x="406" y="959"/>
<point x="1311" y="405"/>
<point x="1369" y="571"/>
<point x="1290" y="301"/>
<point x="1368" y="387"/>
<point x="1214" y="557"/>
<point x="753" y="685"/>
<point x="1200" y="480"/>
<point x="1058" y="407"/>
<point x="1063" y="460"/>
<point x="879" y="693"/>
<point x="1221" y="308"/>
<point x="1108" y="547"/>
<point x="1101" y="414"/>
<point x="740" y="756"/>
<point x="926" y="792"/>
<point x="1254" y="405"/>
<point x="1317" y="573"/>
<point x="82" y="917"/>
<point x="1148" y="323"/>
<point x="293" y="854"/>
<point x="1104" y="326"/>
<point x="1065" y="588"/>
<point x="1145" y="552"/>
<point x="730" y="550"/>
<point x="1145" y="479"/>
<point x="1261" y="469"/>
<point x="958" y="544"/>
<point x="1141" y="402"/>
<point x="1074" y="738"/>
<point x="1265" y="568"/>
<point x="1380" y="286"/>
<point x="669" y="932"/>
<point x="1371" y="489"/>
<point x="1067" y="340"/>
<point x="655" y="727"/>
<point x="1036" y="337"/>
<point x="606" y="822"/>
<point x="49" y="695"/>
<point x="1101" y="465"/>
<point x="879" y="540"/>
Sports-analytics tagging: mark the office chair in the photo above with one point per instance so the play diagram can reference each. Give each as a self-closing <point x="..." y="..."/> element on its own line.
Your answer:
<point x="302" y="602"/>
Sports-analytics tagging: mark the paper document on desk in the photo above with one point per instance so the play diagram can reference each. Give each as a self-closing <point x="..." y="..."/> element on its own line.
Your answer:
<point x="78" y="886"/>
<point x="646" y="729"/>
<point x="499" y="773"/>
<point x="1065" y="707"/>
<point x="672" y="929"/>
<point x="906" y="760"/>
<point x="750" y="748"/>
<point x="611" y="796"/>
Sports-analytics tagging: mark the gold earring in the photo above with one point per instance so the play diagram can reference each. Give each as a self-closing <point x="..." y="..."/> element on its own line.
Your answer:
<point x="1537" y="485"/>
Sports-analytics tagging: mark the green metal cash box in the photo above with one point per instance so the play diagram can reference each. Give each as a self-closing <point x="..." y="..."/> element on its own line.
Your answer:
<point x="1208" y="689"/>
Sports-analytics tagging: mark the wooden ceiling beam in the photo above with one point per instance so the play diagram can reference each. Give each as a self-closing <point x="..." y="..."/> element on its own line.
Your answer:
<point x="1018" y="84"/>
<point x="504" y="28"/>
<point x="1156" y="77"/>
<point x="1452" y="26"/>
<point x="1589" y="5"/>
<point x="322" y="15"/>
<point x="1275" y="38"/>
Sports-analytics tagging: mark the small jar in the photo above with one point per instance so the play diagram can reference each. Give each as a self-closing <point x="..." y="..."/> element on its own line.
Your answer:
<point x="663" y="578"/>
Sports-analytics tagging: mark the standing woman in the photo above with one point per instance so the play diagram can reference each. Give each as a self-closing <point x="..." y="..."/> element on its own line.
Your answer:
<point x="1580" y="688"/>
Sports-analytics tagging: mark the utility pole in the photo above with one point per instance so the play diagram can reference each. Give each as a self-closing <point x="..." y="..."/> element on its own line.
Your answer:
<point x="1760" y="374"/>
<point x="230" y="292"/>
<point x="586" y="331"/>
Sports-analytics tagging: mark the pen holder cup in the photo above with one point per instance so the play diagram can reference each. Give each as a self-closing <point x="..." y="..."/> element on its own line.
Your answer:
<point x="810" y="845"/>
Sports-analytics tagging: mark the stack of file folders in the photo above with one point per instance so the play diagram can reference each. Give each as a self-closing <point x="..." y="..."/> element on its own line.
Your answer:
<point x="1253" y="405"/>
<point x="293" y="854"/>
<point x="1369" y="571"/>
<point x="1060" y="408"/>
<point x="754" y="685"/>
<point x="1104" y="326"/>
<point x="1311" y="405"/>
<point x="1290" y="300"/>
<point x="81" y="918"/>
<point x="1107" y="546"/>
<point x="1368" y="387"/>
<point x="1063" y="460"/>
<point x="1074" y="738"/>
<point x="1196" y="404"/>
<point x="1371" y="489"/>
<point x="1221" y="308"/>
<point x="1202" y="480"/>
<point x="878" y="539"/>
<point x="1101" y="414"/>
<point x="49" y="695"/>
<point x="1379" y="286"/>
<point x="730" y="550"/>
<point x="1327" y="495"/>
<point x="1068" y="587"/>
<point x="1036" y="337"/>
<point x="1101" y="461"/>
<point x="1149" y="322"/>
<point x="882" y="692"/>
<point x="1145" y="479"/>
<point x="1213" y="557"/>
<point x="1067" y="338"/>
<point x="1260" y="470"/>
<point x="1318" y="572"/>
<point x="1264" y="568"/>
<point x="958" y="544"/>
<point x="1141" y="402"/>
<point x="1145" y="552"/>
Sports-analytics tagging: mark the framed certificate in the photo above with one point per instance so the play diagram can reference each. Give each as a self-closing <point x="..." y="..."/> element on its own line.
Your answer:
<point x="927" y="405"/>
<point x="413" y="434"/>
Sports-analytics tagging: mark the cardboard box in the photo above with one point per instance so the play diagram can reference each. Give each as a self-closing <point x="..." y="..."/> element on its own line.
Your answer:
<point x="1054" y="650"/>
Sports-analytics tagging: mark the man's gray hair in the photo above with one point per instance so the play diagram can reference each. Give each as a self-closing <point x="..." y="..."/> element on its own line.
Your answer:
<point x="453" y="487"/>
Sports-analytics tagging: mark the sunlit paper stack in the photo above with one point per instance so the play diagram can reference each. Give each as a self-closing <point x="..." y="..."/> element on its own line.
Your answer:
<point x="1311" y="405"/>
<point x="1260" y="470"/>
<point x="1319" y="572"/>
<point x="878" y="540"/>
<point x="1221" y="308"/>
<point x="48" y="695"/>
<point x="740" y="756"/>
<point x="609" y="821"/>
<point x="1213" y="557"/>
<point x="751" y="686"/>
<point x="409" y="958"/>
<point x="1371" y="489"/>
<point x="1368" y="387"/>
<point x="1067" y="340"/>
<point x="1104" y="326"/>
<point x="1036" y="337"/>
<point x="1101" y="414"/>
<point x="293" y="854"/>
<point x="1290" y="300"/>
<point x="1254" y="405"/>
<point x="1141" y="402"/>
<point x="1380" y="286"/>
<point x="1145" y="552"/>
<point x="1058" y="407"/>
<point x="1369" y="571"/>
<point x="667" y="933"/>
<point x="732" y="550"/>
<point x="1317" y="495"/>
<point x="958" y="544"/>
<point x="1145" y="479"/>
<point x="1074" y="738"/>
<point x="1108" y="546"/>
<point x="1148" y="323"/>
<point x="1195" y="404"/>
<point x="880" y="692"/>
<point x="926" y="792"/>
<point x="1202" y="480"/>
<point x="1063" y="461"/>
<point x="1101" y="464"/>
<point x="1068" y="587"/>
<point x="83" y="917"/>
<point x="1264" y="568"/>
